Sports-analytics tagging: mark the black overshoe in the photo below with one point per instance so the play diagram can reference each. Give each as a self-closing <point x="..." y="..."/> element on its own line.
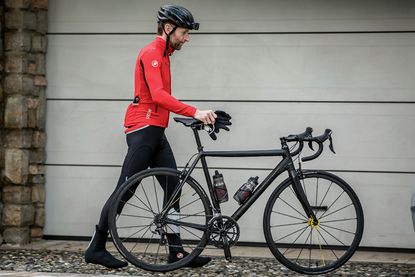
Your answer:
<point x="199" y="261"/>
<point x="98" y="254"/>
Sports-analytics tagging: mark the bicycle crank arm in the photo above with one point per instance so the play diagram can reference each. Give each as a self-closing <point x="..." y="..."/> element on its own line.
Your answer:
<point x="227" y="249"/>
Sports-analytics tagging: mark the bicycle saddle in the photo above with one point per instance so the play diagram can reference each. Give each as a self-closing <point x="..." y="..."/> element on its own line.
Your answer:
<point x="188" y="122"/>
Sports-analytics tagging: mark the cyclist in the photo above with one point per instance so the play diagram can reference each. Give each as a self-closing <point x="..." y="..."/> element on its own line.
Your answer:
<point x="145" y="121"/>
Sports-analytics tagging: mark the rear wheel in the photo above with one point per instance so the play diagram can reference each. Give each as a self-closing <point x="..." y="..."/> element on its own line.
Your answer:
<point x="300" y="244"/>
<point x="155" y="213"/>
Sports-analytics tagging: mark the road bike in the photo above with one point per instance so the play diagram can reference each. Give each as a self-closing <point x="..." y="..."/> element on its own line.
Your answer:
<point x="313" y="220"/>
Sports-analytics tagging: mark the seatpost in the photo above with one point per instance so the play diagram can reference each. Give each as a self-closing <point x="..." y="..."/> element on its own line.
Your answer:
<point x="198" y="143"/>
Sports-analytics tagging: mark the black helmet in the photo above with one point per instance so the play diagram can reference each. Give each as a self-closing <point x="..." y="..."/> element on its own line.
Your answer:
<point x="178" y="15"/>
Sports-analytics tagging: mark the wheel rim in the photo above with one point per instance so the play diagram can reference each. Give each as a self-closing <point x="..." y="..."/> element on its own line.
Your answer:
<point x="315" y="247"/>
<point x="139" y="230"/>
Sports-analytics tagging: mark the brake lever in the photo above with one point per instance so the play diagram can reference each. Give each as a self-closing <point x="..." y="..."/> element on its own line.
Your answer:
<point x="331" y="145"/>
<point x="207" y="128"/>
<point x="310" y="144"/>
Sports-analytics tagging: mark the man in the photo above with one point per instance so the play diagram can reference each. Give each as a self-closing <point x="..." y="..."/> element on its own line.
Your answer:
<point x="146" y="119"/>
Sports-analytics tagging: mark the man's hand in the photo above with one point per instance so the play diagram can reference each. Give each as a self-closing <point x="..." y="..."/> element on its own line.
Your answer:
<point x="206" y="116"/>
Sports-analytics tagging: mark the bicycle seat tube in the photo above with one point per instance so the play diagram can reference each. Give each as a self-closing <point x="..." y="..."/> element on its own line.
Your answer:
<point x="215" y="201"/>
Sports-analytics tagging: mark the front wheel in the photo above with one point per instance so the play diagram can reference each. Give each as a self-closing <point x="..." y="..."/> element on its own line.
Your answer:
<point x="300" y="244"/>
<point x="156" y="217"/>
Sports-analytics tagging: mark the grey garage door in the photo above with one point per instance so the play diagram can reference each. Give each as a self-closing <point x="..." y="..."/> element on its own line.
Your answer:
<point x="276" y="66"/>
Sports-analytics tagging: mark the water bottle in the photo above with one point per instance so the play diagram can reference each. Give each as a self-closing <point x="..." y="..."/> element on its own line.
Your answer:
<point x="246" y="190"/>
<point x="220" y="187"/>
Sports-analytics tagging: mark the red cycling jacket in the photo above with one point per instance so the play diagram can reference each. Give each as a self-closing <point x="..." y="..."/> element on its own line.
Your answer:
<point x="153" y="87"/>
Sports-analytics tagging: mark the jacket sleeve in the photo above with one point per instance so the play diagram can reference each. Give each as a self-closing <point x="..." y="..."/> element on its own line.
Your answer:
<point x="151" y="63"/>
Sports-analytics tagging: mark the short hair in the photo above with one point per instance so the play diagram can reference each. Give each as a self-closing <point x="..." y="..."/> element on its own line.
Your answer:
<point x="160" y="26"/>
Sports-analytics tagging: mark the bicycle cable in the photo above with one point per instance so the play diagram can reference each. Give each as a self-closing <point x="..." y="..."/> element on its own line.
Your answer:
<point x="188" y="162"/>
<point x="292" y="147"/>
<point x="298" y="155"/>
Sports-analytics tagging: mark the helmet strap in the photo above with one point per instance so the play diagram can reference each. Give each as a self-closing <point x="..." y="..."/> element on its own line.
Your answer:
<point x="168" y="39"/>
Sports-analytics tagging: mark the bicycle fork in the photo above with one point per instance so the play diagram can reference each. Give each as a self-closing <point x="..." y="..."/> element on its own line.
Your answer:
<point x="302" y="197"/>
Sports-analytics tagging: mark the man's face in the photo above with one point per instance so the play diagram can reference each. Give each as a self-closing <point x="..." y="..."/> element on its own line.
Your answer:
<point x="179" y="37"/>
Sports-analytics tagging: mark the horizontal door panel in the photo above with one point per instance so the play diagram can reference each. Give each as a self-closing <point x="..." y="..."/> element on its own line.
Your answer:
<point x="105" y="16"/>
<point x="382" y="196"/>
<point x="352" y="67"/>
<point x="367" y="137"/>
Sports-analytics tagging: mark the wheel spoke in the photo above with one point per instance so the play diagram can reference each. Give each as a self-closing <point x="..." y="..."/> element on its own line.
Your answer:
<point x="338" y="197"/>
<point x="188" y="204"/>
<point x="135" y="206"/>
<point x="288" y="204"/>
<point x="132" y="226"/>
<point x="338" y="229"/>
<point x="305" y="228"/>
<point x="337" y="220"/>
<point x="323" y="216"/>
<point x="287" y="215"/>
<point x="324" y="197"/>
<point x="158" y="250"/>
<point x="334" y="253"/>
<point x="155" y="192"/>
<point x="125" y="239"/>
<point x="170" y="203"/>
<point x="133" y="193"/>
<point x="137" y="216"/>
<point x="317" y="193"/>
<point x="296" y="231"/>
<point x="322" y="228"/>
<point x="288" y="224"/>
<point x="148" y="244"/>
<point x="148" y="201"/>
<point x="133" y="234"/>
<point x="301" y="251"/>
<point x="309" y="249"/>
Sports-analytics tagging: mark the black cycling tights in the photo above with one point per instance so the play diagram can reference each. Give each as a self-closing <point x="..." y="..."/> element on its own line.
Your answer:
<point x="147" y="147"/>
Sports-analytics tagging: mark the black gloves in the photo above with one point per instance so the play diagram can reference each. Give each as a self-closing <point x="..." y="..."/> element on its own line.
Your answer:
<point x="223" y="120"/>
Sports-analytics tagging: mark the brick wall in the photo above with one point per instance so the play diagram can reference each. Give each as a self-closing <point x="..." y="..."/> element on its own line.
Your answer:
<point x="22" y="119"/>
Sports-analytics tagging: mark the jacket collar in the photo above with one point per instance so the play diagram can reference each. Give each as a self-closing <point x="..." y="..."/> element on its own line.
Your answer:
<point x="162" y="43"/>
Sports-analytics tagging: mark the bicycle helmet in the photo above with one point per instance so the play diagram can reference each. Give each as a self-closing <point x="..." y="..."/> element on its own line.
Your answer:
<point x="178" y="15"/>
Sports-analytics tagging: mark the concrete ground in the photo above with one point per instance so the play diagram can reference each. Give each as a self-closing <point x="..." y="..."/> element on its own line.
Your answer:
<point x="237" y="251"/>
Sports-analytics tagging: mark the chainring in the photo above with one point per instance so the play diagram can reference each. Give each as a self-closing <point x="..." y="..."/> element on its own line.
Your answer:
<point x="223" y="226"/>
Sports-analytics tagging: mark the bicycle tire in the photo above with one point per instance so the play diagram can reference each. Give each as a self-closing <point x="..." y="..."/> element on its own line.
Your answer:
<point x="299" y="244"/>
<point x="138" y="214"/>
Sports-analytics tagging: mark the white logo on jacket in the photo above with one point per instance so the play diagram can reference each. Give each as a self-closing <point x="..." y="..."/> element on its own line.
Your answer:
<point x="148" y="114"/>
<point x="155" y="63"/>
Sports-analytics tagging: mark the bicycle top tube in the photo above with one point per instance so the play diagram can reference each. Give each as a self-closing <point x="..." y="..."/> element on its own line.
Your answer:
<point x="244" y="153"/>
<point x="197" y="125"/>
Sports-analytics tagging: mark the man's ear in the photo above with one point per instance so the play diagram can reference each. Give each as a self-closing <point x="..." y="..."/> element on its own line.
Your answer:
<point x="168" y="28"/>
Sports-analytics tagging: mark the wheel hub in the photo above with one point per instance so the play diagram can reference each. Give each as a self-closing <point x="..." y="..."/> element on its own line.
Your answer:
<point x="312" y="223"/>
<point x="159" y="220"/>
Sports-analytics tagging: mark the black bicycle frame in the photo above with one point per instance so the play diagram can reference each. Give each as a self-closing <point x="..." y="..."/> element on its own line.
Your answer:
<point x="286" y="164"/>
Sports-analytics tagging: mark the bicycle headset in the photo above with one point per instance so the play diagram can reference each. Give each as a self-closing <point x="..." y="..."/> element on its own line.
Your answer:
<point x="177" y="15"/>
